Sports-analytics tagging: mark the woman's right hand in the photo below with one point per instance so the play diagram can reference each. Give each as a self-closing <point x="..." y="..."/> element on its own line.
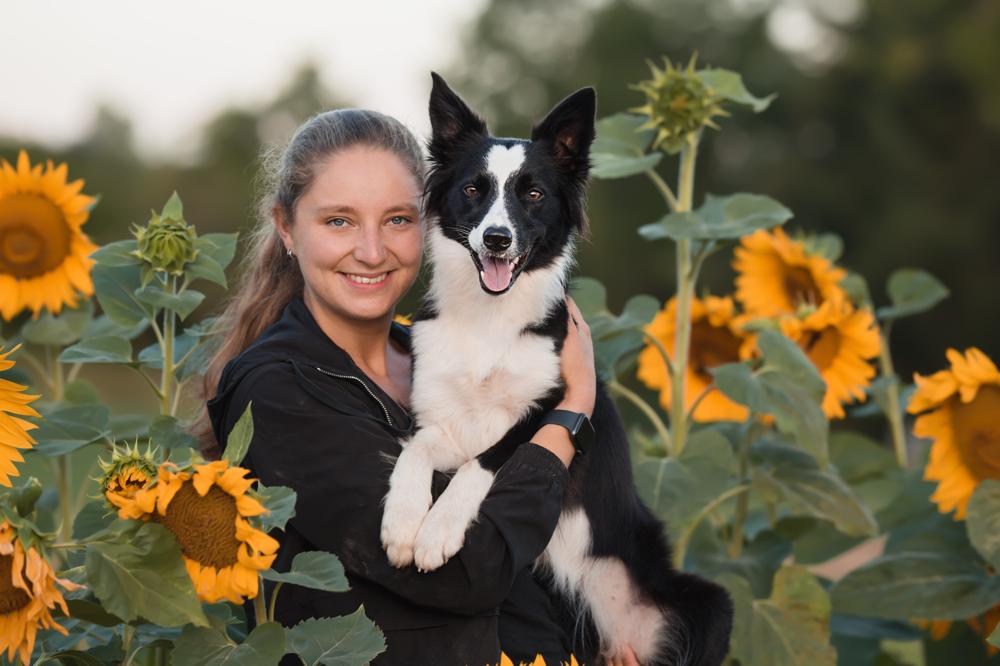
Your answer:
<point x="577" y="363"/>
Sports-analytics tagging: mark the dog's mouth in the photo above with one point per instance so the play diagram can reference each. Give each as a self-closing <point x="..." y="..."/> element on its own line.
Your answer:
<point x="496" y="273"/>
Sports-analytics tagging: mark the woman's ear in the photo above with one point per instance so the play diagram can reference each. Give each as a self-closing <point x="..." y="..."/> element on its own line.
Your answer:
<point x="282" y="226"/>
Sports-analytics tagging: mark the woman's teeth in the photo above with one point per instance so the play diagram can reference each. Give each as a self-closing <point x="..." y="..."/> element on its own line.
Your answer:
<point x="360" y="279"/>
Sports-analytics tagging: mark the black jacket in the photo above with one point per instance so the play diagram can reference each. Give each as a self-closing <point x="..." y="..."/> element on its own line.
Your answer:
<point x="323" y="428"/>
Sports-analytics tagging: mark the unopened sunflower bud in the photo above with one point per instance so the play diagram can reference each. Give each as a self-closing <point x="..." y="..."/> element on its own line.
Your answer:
<point x="678" y="104"/>
<point x="128" y="472"/>
<point x="166" y="243"/>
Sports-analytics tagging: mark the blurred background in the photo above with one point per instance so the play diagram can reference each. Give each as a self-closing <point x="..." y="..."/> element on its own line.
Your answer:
<point x="885" y="131"/>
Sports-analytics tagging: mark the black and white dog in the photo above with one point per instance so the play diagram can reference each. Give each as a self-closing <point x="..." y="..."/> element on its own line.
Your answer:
<point x="486" y="349"/>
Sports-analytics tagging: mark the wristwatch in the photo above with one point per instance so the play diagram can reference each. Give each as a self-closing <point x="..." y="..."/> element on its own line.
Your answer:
<point x="581" y="431"/>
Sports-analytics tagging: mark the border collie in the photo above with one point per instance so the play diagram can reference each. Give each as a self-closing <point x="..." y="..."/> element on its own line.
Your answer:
<point x="486" y="348"/>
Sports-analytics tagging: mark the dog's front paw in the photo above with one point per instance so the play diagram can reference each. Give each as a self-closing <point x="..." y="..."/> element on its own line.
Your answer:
<point x="440" y="537"/>
<point x="400" y="525"/>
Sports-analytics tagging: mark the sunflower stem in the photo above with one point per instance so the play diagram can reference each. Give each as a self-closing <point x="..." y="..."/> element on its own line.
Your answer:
<point x="43" y="375"/>
<point x="259" y="611"/>
<point x="274" y="599"/>
<point x="63" y="476"/>
<point x="128" y="633"/>
<point x="743" y="503"/>
<point x="167" y="376"/>
<point x="893" y="411"/>
<point x="651" y="339"/>
<point x="661" y="429"/>
<point x="685" y="294"/>
<point x="661" y="185"/>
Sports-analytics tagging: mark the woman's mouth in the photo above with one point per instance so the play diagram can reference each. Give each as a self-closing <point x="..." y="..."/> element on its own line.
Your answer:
<point x="367" y="279"/>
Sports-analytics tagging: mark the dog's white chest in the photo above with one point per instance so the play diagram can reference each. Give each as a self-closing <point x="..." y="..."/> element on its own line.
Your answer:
<point x="477" y="381"/>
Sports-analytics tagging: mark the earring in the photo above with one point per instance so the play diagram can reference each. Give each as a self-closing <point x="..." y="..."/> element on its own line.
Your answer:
<point x="290" y="253"/>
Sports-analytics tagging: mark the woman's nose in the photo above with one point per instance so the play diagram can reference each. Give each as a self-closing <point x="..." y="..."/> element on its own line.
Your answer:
<point x="370" y="248"/>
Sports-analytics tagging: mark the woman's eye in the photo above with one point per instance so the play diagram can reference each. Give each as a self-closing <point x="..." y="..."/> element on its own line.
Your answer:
<point x="398" y="220"/>
<point x="471" y="191"/>
<point x="535" y="194"/>
<point x="337" y="222"/>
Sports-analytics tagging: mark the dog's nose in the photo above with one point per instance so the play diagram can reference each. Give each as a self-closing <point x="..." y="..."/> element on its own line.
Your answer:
<point x="497" y="239"/>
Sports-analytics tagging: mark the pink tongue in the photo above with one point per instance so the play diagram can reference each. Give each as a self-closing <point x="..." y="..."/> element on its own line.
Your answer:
<point x="496" y="273"/>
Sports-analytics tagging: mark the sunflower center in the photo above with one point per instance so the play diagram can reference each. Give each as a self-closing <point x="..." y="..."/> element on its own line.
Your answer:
<point x="712" y="346"/>
<point x="34" y="236"/>
<point x="11" y="598"/>
<point x="205" y="527"/>
<point x="977" y="432"/>
<point x="822" y="347"/>
<point x="800" y="288"/>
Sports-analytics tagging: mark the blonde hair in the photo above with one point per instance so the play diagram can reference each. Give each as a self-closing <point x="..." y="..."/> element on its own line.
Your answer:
<point x="271" y="278"/>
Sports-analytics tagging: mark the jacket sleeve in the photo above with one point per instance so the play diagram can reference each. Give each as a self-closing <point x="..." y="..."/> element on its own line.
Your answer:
<point x="339" y="466"/>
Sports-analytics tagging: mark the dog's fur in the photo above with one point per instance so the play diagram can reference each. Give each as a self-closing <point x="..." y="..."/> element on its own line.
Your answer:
<point x="486" y="368"/>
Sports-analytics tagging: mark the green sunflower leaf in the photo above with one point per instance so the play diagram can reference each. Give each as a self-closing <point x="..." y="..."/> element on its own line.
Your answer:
<point x="337" y="641"/>
<point x="280" y="504"/>
<point x="183" y="303"/>
<point x="119" y="253"/>
<point x="316" y="569"/>
<point x="912" y="291"/>
<point x="67" y="429"/>
<point x="729" y="85"/>
<point x="720" y="217"/>
<point x="59" y="330"/>
<point x="166" y="431"/>
<point x="238" y="441"/>
<point x="102" y="349"/>
<point x="221" y="247"/>
<point x="200" y="646"/>
<point x="144" y="577"/>
<point x="115" y="287"/>
<point x="983" y="521"/>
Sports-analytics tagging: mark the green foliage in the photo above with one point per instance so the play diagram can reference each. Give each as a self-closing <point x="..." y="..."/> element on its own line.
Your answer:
<point x="200" y="646"/>
<point x="238" y="441"/>
<point x="318" y="570"/>
<point x="720" y="218"/>
<point x="912" y="291"/>
<point x="337" y="641"/>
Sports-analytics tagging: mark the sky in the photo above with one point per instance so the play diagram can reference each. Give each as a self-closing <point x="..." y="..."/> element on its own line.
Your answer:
<point x="170" y="67"/>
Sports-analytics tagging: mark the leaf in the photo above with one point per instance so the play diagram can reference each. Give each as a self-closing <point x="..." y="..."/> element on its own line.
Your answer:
<point x="144" y="577"/>
<point x="315" y="569"/>
<point x="70" y="658"/>
<point x="92" y="518"/>
<point x="239" y="437"/>
<point x="182" y="303"/>
<point x="103" y="349"/>
<point x="152" y="356"/>
<point x="871" y="627"/>
<point x="781" y="353"/>
<point x="117" y="254"/>
<point x="912" y="291"/>
<point x="24" y="495"/>
<point x="615" y="336"/>
<point x="795" y="476"/>
<point x="759" y="560"/>
<point x="92" y="612"/>
<point x="720" y="217"/>
<point x="280" y="503"/>
<point x="115" y="288"/>
<point x="857" y="289"/>
<point x="59" y="330"/>
<point x="791" y="628"/>
<point x="619" y="134"/>
<point x="983" y="521"/>
<point x="81" y="392"/>
<point x="607" y="165"/>
<point x="917" y="584"/>
<point x="994" y="638"/>
<point x="207" y="268"/>
<point x="729" y="85"/>
<point x="166" y="431"/>
<point x="219" y="246"/>
<point x="200" y="646"/>
<point x="337" y="641"/>
<point x="68" y="428"/>
<point x="173" y="209"/>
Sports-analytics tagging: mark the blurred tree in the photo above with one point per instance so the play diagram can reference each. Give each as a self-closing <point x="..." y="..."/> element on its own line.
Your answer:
<point x="885" y="131"/>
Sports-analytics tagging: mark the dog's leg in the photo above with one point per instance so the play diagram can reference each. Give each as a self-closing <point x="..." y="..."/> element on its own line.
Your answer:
<point x="443" y="531"/>
<point x="407" y="502"/>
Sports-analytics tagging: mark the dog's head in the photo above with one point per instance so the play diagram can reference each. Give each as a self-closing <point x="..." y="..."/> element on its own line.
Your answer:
<point x="514" y="204"/>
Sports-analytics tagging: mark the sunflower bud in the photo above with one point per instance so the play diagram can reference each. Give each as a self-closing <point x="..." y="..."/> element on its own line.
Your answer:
<point x="166" y="243"/>
<point x="128" y="472"/>
<point x="678" y="104"/>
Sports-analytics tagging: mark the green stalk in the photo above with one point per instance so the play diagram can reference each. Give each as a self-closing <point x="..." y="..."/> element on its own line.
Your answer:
<point x="259" y="611"/>
<point x="743" y="503"/>
<point x="685" y="294"/>
<point x="644" y="407"/>
<point x="128" y="633"/>
<point x="680" y="550"/>
<point x="167" y="376"/>
<point x="63" y="464"/>
<point x="274" y="599"/>
<point x="893" y="411"/>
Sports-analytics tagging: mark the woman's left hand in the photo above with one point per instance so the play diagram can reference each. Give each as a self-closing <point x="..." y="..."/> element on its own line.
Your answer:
<point x="627" y="659"/>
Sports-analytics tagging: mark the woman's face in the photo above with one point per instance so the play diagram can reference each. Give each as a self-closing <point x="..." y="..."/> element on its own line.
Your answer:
<point x="357" y="235"/>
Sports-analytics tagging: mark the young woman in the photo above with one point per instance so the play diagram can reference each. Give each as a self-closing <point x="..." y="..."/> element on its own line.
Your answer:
<point x="309" y="340"/>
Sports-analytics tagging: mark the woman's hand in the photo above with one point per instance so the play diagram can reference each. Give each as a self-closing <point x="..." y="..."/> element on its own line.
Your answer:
<point x="627" y="659"/>
<point x="577" y="361"/>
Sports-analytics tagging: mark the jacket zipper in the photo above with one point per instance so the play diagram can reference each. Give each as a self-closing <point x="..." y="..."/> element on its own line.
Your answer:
<point x="362" y="382"/>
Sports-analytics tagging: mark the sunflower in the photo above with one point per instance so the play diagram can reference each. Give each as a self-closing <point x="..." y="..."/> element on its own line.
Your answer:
<point x="839" y="340"/>
<point x="206" y="510"/>
<point x="13" y="431"/>
<point x="983" y="624"/>
<point x="776" y="275"/>
<point x="960" y="408"/>
<point x="127" y="473"/>
<point x="716" y="339"/>
<point x="43" y="252"/>
<point x="27" y="595"/>
<point x="538" y="661"/>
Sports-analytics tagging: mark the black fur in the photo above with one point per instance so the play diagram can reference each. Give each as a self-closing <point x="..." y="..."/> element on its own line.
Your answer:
<point x="557" y="161"/>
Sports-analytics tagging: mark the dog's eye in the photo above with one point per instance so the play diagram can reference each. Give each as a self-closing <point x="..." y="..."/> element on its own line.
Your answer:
<point x="535" y="194"/>
<point x="471" y="191"/>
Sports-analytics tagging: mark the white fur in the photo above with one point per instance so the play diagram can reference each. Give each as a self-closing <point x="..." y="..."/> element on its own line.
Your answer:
<point x="443" y="530"/>
<point x="603" y="587"/>
<point x="502" y="162"/>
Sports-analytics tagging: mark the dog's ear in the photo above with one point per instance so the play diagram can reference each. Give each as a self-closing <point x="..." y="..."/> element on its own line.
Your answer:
<point x="569" y="130"/>
<point x="452" y="121"/>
